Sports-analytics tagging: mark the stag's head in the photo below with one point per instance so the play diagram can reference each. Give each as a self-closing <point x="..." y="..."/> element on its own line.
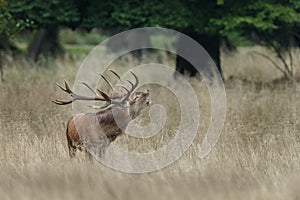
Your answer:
<point x="138" y="102"/>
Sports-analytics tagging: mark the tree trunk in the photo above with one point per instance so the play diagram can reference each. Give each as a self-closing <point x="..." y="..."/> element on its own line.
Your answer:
<point x="210" y="43"/>
<point x="45" y="43"/>
<point x="7" y="45"/>
<point x="1" y="67"/>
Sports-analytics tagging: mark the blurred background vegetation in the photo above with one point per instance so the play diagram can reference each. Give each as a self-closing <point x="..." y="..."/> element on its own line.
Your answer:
<point x="35" y="28"/>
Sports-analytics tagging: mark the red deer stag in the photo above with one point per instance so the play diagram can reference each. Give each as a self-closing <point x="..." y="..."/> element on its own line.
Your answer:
<point x="93" y="132"/>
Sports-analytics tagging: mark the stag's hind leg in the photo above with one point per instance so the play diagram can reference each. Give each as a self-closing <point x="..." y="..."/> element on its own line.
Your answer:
<point x="72" y="137"/>
<point x="72" y="148"/>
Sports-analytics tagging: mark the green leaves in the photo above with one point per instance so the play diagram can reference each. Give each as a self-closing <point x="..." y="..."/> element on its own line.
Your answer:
<point x="7" y="23"/>
<point x="266" y="22"/>
<point x="220" y="2"/>
<point x="39" y="12"/>
<point x="150" y="13"/>
<point x="267" y="19"/>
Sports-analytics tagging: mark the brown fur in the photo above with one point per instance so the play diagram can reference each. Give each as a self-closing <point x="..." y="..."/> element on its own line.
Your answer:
<point x="93" y="132"/>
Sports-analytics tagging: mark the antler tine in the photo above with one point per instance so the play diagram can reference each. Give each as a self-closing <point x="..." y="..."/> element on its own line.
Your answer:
<point x="61" y="102"/>
<point x="66" y="89"/>
<point x="107" y="99"/>
<point x="136" y="80"/>
<point x="75" y="96"/>
<point x="123" y="99"/>
<point x="115" y="73"/>
<point x="107" y="81"/>
<point x="89" y="87"/>
<point x="124" y="88"/>
<point x="105" y="96"/>
<point x="132" y="85"/>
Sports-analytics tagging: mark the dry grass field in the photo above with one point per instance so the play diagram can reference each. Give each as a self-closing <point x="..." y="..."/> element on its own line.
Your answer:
<point x="256" y="157"/>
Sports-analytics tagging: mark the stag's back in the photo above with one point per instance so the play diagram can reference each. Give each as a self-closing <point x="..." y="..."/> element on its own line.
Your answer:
<point x="91" y="127"/>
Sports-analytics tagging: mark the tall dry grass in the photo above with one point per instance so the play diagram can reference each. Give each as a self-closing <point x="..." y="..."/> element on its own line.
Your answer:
<point x="257" y="156"/>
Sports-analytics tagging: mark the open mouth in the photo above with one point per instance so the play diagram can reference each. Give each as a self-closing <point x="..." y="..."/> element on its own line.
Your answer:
<point x="148" y="102"/>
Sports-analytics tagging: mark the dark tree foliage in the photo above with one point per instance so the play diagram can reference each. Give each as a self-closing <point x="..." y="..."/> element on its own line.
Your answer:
<point x="46" y="17"/>
<point x="189" y="17"/>
<point x="274" y="23"/>
<point x="7" y="28"/>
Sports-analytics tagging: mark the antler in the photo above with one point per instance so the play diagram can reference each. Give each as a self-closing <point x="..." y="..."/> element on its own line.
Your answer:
<point x="107" y="81"/>
<point x="97" y="97"/>
<point x="110" y="101"/>
<point x="75" y="96"/>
